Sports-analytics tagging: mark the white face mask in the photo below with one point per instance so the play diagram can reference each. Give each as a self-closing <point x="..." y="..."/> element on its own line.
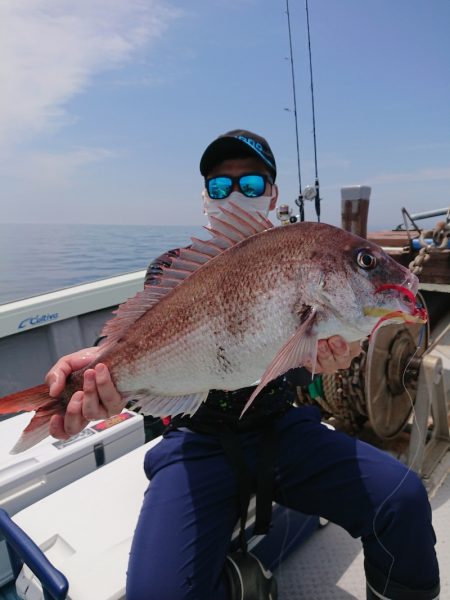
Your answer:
<point x="252" y="205"/>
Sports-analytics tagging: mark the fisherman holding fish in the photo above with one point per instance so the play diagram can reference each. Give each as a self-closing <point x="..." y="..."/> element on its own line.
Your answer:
<point x="238" y="439"/>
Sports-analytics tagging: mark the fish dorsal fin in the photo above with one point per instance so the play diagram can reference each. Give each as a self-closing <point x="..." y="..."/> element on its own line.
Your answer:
<point x="130" y="311"/>
<point x="234" y="226"/>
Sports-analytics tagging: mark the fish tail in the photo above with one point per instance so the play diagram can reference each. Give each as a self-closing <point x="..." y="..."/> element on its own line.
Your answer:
<point x="26" y="400"/>
<point x="32" y="399"/>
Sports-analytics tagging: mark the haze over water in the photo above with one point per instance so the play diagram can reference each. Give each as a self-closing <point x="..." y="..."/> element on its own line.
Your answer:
<point x="35" y="259"/>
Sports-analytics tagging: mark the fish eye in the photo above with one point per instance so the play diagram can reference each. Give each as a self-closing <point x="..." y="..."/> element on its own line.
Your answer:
<point x="366" y="260"/>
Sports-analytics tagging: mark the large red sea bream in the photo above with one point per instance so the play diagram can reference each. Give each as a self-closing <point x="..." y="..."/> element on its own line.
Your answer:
<point x="245" y="306"/>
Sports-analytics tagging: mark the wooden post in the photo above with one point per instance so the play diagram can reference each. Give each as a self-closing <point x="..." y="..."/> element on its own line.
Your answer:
<point x="355" y="209"/>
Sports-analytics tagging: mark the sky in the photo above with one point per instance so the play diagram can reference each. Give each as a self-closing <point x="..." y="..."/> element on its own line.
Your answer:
<point x="107" y="105"/>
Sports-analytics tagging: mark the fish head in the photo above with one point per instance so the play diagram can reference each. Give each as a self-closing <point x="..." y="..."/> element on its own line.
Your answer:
<point x="360" y="284"/>
<point x="384" y="287"/>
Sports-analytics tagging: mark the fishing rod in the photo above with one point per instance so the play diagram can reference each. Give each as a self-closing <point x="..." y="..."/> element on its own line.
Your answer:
<point x="310" y="192"/>
<point x="316" y="181"/>
<point x="299" y="200"/>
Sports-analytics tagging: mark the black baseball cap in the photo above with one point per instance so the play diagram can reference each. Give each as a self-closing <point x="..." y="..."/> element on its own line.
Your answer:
<point x="237" y="143"/>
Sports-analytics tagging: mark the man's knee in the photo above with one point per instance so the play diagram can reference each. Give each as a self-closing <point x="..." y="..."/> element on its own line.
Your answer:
<point x="382" y="587"/>
<point x="402" y="540"/>
<point x="410" y="500"/>
<point x="401" y="497"/>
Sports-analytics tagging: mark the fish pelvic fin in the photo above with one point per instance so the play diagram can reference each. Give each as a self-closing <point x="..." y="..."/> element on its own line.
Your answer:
<point x="164" y="406"/>
<point x="234" y="226"/>
<point x="301" y="347"/>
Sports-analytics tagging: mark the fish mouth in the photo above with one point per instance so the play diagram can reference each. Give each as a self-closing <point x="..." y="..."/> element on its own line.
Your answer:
<point x="401" y="294"/>
<point x="411" y="283"/>
<point x="386" y="313"/>
<point x="408" y="310"/>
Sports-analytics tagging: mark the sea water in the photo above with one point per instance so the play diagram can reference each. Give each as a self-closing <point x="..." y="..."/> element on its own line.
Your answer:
<point x="35" y="259"/>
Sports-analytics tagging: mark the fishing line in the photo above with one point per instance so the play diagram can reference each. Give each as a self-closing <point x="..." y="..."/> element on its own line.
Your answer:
<point x="402" y="480"/>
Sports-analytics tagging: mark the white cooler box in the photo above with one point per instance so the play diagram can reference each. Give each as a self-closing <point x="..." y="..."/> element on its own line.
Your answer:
<point x="86" y="528"/>
<point x="50" y="465"/>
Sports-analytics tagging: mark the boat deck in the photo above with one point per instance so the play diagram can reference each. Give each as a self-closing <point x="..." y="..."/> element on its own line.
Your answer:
<point x="329" y="565"/>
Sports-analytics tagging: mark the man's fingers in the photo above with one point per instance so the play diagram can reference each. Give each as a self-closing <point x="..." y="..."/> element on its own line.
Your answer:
<point x="56" y="377"/>
<point x="355" y="349"/>
<point x="326" y="362"/>
<point x="335" y="353"/>
<point x="63" y="427"/>
<point x="56" y="427"/>
<point x="74" y="421"/>
<point x="107" y="393"/>
<point x="340" y="351"/>
<point x="92" y="408"/>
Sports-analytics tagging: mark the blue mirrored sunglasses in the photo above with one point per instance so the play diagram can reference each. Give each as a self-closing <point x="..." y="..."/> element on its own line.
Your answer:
<point x="251" y="185"/>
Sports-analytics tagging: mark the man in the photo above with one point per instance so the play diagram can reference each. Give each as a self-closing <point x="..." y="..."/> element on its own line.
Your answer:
<point x="208" y="463"/>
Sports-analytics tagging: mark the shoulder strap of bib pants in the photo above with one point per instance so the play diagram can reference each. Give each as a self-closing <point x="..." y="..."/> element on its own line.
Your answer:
<point x="246" y="577"/>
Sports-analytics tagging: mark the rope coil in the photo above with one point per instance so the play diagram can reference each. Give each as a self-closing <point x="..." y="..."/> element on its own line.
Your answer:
<point x="341" y="395"/>
<point x="423" y="256"/>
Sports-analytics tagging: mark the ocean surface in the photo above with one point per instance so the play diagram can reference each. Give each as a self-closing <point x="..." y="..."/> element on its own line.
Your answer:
<point x="35" y="259"/>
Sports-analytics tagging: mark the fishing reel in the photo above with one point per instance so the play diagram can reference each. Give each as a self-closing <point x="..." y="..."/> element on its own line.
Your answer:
<point x="391" y="377"/>
<point x="285" y="213"/>
<point x="310" y="192"/>
<point x="407" y="388"/>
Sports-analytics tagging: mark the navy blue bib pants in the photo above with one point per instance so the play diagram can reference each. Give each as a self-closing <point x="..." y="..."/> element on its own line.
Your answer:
<point x="189" y="510"/>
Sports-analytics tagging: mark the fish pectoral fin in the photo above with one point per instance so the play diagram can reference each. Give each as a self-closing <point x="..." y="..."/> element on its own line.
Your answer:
<point x="164" y="406"/>
<point x="300" y="348"/>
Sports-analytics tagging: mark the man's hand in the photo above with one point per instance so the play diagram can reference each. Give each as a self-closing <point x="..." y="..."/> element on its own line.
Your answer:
<point x="333" y="354"/>
<point x="97" y="400"/>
